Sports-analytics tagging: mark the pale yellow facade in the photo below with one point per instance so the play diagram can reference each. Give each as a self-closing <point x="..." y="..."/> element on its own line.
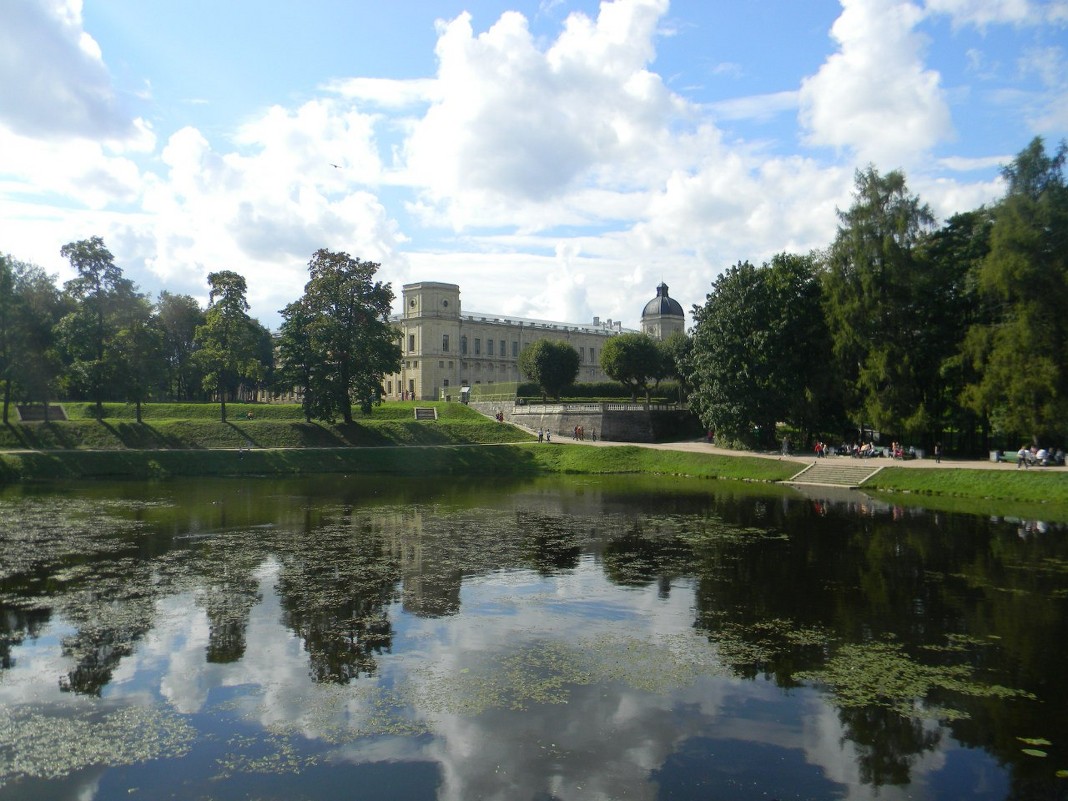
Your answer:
<point x="443" y="349"/>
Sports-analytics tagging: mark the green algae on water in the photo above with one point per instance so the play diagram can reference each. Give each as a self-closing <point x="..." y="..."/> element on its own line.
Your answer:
<point x="882" y="674"/>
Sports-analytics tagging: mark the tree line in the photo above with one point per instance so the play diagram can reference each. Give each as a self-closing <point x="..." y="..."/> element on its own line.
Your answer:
<point x="900" y="326"/>
<point x="98" y="339"/>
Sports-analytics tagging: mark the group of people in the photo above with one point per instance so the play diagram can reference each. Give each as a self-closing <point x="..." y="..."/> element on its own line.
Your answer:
<point x="856" y="450"/>
<point x="1038" y="457"/>
<point x="580" y="434"/>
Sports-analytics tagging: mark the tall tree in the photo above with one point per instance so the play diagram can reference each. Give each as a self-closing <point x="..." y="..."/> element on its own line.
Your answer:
<point x="675" y="352"/>
<point x="102" y="296"/>
<point x="229" y="339"/>
<point x="552" y="364"/>
<point x="8" y="337"/>
<point x="874" y="303"/>
<point x="760" y="350"/>
<point x="344" y="324"/>
<point x="33" y="365"/>
<point x="140" y="356"/>
<point x="633" y="360"/>
<point x="1022" y="356"/>
<point x="179" y="316"/>
<point x="951" y="259"/>
<point x="298" y="362"/>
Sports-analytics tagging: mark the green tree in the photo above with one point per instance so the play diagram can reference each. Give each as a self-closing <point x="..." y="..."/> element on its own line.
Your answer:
<point x="298" y="362"/>
<point x="8" y="337"/>
<point x="951" y="259"/>
<point x="1021" y="355"/>
<point x="179" y="316"/>
<point x="552" y="364"/>
<point x="876" y="303"/>
<point x="140" y="360"/>
<point x="228" y="341"/>
<point x="102" y="297"/>
<point x="633" y="360"/>
<point x="339" y="337"/>
<point x="35" y="308"/>
<point x="760" y="350"/>
<point x="675" y="352"/>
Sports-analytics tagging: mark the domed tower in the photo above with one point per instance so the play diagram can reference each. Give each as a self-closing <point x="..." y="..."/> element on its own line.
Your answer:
<point x="663" y="315"/>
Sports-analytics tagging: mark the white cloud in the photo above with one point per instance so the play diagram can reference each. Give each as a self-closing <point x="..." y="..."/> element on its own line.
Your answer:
<point x="757" y="107"/>
<point x="982" y="13"/>
<point x="264" y="211"/>
<point x="874" y="97"/>
<point x="523" y="125"/>
<point x="385" y="92"/>
<point x="55" y="83"/>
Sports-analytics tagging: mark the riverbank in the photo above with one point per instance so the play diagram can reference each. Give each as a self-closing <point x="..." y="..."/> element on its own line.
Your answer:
<point x="276" y="441"/>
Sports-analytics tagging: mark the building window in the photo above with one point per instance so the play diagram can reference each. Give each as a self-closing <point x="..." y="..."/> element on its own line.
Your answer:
<point x="489" y="347"/>
<point x="389" y="387"/>
<point x="582" y="354"/>
<point x="515" y="349"/>
<point x="450" y="365"/>
<point x="444" y="343"/>
<point x="463" y="345"/>
<point x="411" y="386"/>
<point x="478" y="346"/>
<point x="593" y="357"/>
<point x="441" y="365"/>
<point x="446" y="382"/>
<point x="502" y="351"/>
<point x="411" y="343"/>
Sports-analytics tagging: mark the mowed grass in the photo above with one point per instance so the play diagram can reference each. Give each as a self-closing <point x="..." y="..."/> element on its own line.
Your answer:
<point x="197" y="427"/>
<point x="190" y="440"/>
<point x="508" y="459"/>
<point x="1042" y="485"/>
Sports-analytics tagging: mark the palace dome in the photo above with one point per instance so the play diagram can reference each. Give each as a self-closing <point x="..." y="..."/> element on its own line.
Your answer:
<point x="662" y="305"/>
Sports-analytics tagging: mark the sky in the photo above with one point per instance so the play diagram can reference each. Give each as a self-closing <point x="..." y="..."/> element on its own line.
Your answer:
<point x="556" y="159"/>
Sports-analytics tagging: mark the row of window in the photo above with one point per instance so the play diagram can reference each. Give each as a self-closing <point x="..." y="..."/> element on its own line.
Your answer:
<point x="489" y="347"/>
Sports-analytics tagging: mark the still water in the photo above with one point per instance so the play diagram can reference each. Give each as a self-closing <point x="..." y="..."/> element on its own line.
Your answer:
<point x="559" y="639"/>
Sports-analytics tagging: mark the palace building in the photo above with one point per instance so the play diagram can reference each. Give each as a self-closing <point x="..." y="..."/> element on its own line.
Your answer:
<point x="444" y="349"/>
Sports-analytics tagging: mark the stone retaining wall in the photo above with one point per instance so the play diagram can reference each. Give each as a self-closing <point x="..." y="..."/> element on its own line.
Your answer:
<point x="614" y="422"/>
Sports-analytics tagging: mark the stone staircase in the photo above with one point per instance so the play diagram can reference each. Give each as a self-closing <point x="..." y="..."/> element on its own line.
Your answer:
<point x="423" y="413"/>
<point x="836" y="472"/>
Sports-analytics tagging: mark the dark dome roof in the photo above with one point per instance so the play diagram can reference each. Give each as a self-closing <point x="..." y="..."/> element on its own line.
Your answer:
<point x="662" y="305"/>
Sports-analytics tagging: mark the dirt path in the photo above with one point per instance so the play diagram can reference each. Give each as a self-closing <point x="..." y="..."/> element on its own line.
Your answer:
<point x="701" y="446"/>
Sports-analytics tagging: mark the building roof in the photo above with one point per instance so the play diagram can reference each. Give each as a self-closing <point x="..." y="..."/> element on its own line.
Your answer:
<point x="662" y="304"/>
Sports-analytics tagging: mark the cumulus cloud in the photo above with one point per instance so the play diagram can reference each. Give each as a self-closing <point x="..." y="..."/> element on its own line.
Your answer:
<point x="514" y="122"/>
<point x="874" y="97"/>
<point x="263" y="211"/>
<point x="983" y="13"/>
<point x="55" y="81"/>
<point x="551" y="176"/>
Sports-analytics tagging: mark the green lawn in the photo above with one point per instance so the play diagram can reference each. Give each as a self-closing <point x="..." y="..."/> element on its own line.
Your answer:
<point x="189" y="440"/>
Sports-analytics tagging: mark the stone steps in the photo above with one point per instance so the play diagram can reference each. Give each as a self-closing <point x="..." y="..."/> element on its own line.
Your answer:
<point x="425" y="413"/>
<point x="835" y="472"/>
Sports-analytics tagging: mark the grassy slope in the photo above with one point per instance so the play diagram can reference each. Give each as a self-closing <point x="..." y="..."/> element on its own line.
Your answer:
<point x="197" y="426"/>
<point x="188" y="439"/>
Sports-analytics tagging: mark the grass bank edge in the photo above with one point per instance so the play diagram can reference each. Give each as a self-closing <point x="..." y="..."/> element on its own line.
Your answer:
<point x="523" y="459"/>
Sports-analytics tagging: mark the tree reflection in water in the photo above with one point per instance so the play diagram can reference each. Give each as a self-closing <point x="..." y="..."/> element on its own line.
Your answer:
<point x="966" y="616"/>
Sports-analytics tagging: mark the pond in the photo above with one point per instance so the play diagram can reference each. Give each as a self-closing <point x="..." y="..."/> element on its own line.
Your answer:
<point x="615" y="638"/>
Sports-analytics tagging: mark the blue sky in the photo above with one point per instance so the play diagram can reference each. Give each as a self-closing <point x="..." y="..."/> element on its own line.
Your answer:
<point x="556" y="159"/>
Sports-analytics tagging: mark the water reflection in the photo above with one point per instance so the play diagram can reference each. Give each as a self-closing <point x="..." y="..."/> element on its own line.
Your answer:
<point x="594" y="639"/>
